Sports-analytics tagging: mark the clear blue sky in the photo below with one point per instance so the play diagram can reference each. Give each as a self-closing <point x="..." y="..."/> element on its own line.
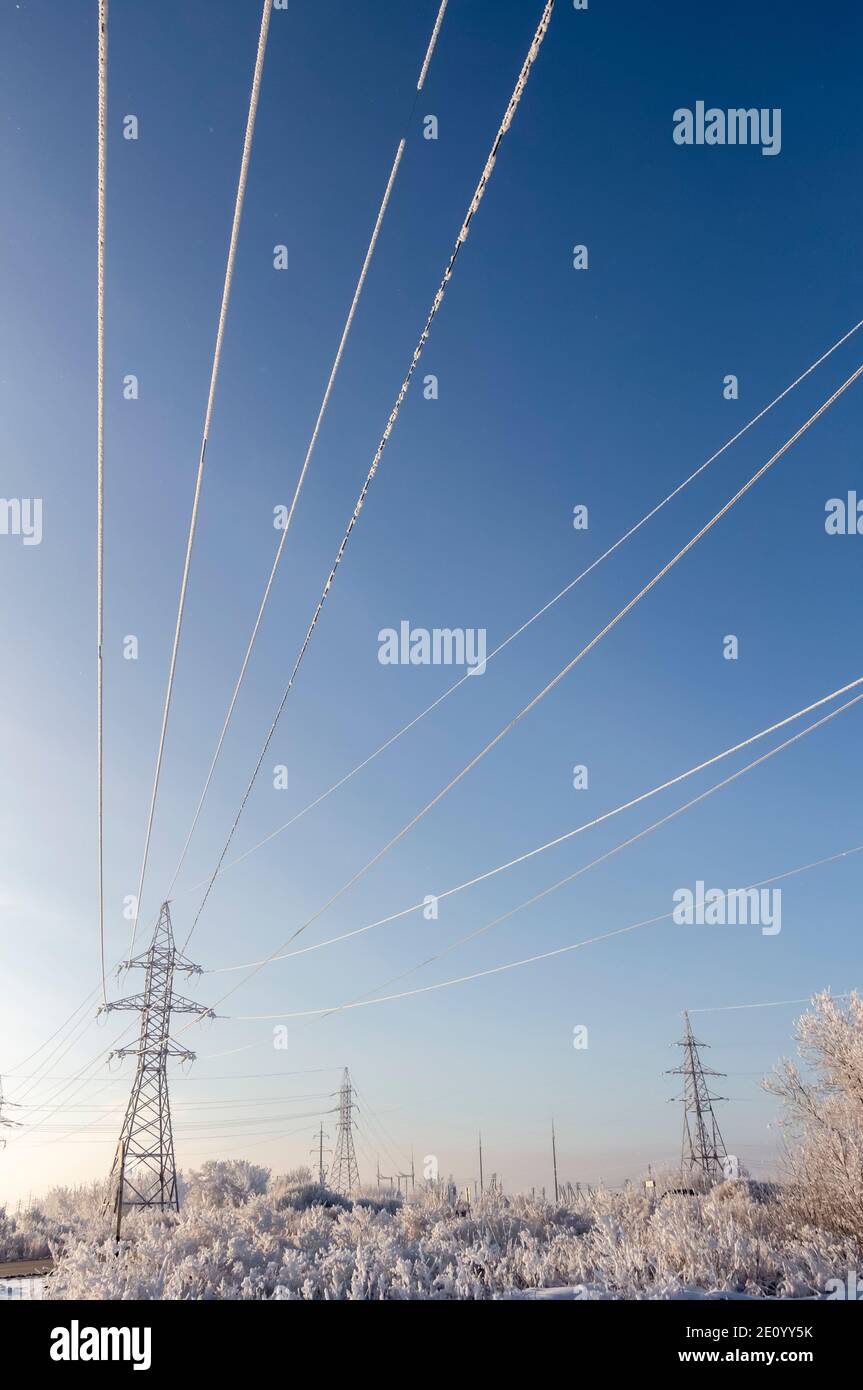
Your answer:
<point x="557" y="387"/>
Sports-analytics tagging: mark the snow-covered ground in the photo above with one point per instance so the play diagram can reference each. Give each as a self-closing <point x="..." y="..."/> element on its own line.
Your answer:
<point x="241" y="1235"/>
<point x="30" y="1288"/>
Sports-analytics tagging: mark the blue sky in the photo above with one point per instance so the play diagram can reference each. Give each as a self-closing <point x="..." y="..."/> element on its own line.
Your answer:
<point x="556" y="387"/>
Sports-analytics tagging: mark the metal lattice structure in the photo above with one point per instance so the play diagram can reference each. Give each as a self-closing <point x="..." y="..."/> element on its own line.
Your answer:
<point x="703" y="1149"/>
<point x="344" y="1173"/>
<point x="144" y="1173"/>
<point x="5" y="1122"/>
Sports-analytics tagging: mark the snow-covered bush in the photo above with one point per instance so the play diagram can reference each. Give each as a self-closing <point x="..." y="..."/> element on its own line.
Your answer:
<point x="303" y="1195"/>
<point x="612" y="1245"/>
<point x="824" y="1117"/>
<point x="242" y="1235"/>
<point x="31" y="1234"/>
<point x="226" y="1183"/>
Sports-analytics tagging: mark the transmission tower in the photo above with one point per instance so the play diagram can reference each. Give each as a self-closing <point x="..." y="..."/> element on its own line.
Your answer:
<point x="319" y="1149"/>
<point x="703" y="1146"/>
<point x="5" y="1123"/>
<point x="144" y="1173"/>
<point x="344" y="1173"/>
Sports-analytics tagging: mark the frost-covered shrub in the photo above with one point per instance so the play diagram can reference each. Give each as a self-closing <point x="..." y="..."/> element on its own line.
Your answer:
<point x="33" y="1233"/>
<point x="379" y="1202"/>
<point x="227" y="1183"/>
<point x="241" y="1236"/>
<point x="302" y="1196"/>
<point x="824" y="1117"/>
<point x="612" y="1245"/>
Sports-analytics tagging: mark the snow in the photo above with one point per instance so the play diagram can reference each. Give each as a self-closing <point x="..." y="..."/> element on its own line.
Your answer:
<point x="244" y="1235"/>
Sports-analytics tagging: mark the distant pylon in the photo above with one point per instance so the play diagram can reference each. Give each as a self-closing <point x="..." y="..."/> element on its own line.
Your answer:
<point x="144" y="1173"/>
<point x="319" y="1149"/>
<point x="344" y="1173"/>
<point x="5" y="1122"/>
<point x="703" y="1146"/>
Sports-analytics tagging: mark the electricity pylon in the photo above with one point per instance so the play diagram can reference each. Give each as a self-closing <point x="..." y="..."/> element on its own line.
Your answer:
<point x="319" y="1149"/>
<point x="344" y="1173"/>
<point x="703" y="1146"/>
<point x="144" y="1173"/>
<point x="4" y="1122"/>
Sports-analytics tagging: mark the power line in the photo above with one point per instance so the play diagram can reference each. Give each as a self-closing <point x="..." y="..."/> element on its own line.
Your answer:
<point x="558" y="840"/>
<point x="236" y="1102"/>
<point x="202" y="1126"/>
<point x="616" y="849"/>
<point x="306" y="462"/>
<point x="100" y="460"/>
<point x="431" y="46"/>
<point x="541" y="611"/>
<point x="396" y="1153"/>
<point x="214" y="373"/>
<point x="770" y="1004"/>
<point x="62" y="1028"/>
<point x="227" y="1076"/>
<point x="436" y="303"/>
<point x="82" y="1027"/>
<point x="529" y="960"/>
<point x="268" y="1139"/>
<point x="77" y="1077"/>
<point x="192" y="1140"/>
<point x="87" y="999"/>
<point x="88" y="1124"/>
<point x="526" y="709"/>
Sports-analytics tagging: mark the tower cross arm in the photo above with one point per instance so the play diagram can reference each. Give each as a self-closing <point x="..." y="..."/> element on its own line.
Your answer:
<point x="179" y="1005"/>
<point x="188" y="967"/>
<point x="168" y="1050"/>
<point x="134" y="1002"/>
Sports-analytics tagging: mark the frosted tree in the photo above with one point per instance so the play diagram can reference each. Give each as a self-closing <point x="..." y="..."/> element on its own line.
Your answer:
<point x="824" y="1116"/>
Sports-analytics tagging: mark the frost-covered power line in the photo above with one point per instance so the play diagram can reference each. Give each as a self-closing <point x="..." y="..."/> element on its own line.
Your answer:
<point x="774" y="1003"/>
<point x="462" y="680"/>
<point x="211" y="396"/>
<point x="559" y="839"/>
<point x="394" y="414"/>
<point x="624" y="844"/>
<point x="306" y="462"/>
<point x="100" y="464"/>
<point x="532" y="704"/>
<point x="543" y="955"/>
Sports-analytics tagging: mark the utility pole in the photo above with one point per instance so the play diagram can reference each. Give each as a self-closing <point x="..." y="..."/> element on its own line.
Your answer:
<point x="344" y="1172"/>
<point x="320" y="1148"/>
<point x="144" y="1173"/>
<point x="554" y="1162"/>
<point x="703" y="1146"/>
<point x="480" y="1163"/>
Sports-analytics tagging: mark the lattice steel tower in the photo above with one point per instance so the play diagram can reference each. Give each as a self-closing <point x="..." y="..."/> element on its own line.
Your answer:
<point x="144" y="1173"/>
<point x="344" y="1173"/>
<point x="703" y="1146"/>
<point x="5" y="1122"/>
